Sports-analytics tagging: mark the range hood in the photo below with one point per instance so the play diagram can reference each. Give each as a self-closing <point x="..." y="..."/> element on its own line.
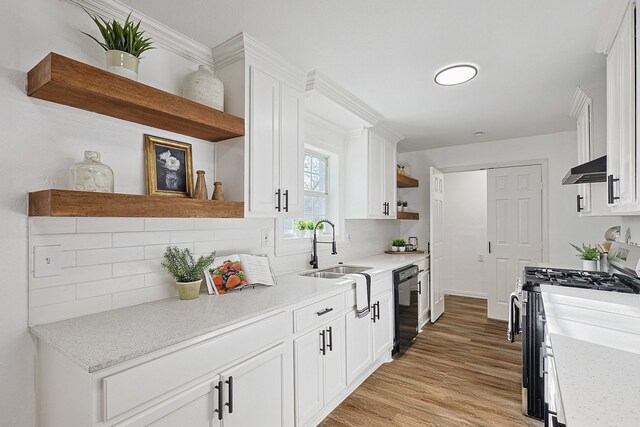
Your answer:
<point x="593" y="171"/>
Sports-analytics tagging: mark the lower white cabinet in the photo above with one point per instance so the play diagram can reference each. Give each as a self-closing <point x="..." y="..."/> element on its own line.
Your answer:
<point x="382" y="325"/>
<point x="252" y="393"/>
<point x="319" y="359"/>
<point x="423" y="297"/>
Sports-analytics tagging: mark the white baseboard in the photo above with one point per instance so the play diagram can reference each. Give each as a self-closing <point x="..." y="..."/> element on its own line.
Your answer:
<point x="468" y="294"/>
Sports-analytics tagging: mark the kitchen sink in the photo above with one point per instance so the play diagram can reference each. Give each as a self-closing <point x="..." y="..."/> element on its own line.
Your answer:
<point x="323" y="275"/>
<point x="346" y="269"/>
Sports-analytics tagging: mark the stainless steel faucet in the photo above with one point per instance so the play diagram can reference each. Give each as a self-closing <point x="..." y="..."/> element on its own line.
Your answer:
<point x="314" y="254"/>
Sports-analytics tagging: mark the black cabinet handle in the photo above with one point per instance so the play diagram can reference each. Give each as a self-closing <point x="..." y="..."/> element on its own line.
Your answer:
<point x="378" y="309"/>
<point x="610" y="189"/>
<point x="420" y="287"/>
<point x="330" y="345"/>
<point x="384" y="208"/>
<point x="579" y="204"/>
<point x="220" y="400"/>
<point x="323" y="349"/>
<point x="325" y="311"/>
<point x="229" y="382"/>
<point x="373" y="317"/>
<point x="489" y="247"/>
<point x="279" y="194"/>
<point x="286" y="200"/>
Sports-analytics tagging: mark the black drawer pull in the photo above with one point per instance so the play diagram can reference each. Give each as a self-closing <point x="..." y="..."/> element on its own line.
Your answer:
<point x="325" y="311"/>
<point x="286" y="200"/>
<point x="323" y="349"/>
<point x="220" y="400"/>
<point x="279" y="194"/>
<point x="230" y="403"/>
<point x="330" y="345"/>
<point x="579" y="207"/>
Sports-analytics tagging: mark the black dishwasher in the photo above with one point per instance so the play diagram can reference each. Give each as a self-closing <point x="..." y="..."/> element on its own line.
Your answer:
<point x="405" y="301"/>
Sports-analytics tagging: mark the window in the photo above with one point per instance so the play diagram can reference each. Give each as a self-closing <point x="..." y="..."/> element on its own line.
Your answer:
<point x="316" y="192"/>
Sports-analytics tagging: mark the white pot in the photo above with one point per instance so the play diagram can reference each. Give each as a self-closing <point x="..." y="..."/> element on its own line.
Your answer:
<point x="394" y="248"/>
<point x="123" y="64"/>
<point x="401" y="248"/>
<point x="590" y="265"/>
<point x="204" y="87"/>
<point x="404" y="209"/>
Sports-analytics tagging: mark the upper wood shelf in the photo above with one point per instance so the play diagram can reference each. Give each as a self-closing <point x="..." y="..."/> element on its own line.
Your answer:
<point x="80" y="203"/>
<point x="405" y="181"/>
<point x="408" y="215"/>
<point x="66" y="81"/>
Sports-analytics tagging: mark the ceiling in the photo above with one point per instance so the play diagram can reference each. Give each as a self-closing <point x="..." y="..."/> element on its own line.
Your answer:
<point x="531" y="55"/>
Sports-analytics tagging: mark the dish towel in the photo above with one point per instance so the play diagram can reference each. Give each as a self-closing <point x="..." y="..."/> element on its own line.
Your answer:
<point x="363" y="293"/>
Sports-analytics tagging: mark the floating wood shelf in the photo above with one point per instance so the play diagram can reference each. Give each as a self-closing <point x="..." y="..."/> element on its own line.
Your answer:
<point x="80" y="203"/>
<point x="416" y="252"/>
<point x="407" y="215"/>
<point x="66" y="81"/>
<point x="405" y="181"/>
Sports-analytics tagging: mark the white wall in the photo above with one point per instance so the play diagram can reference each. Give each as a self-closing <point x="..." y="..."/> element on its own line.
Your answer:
<point x="560" y="149"/>
<point x="41" y="139"/>
<point x="465" y="224"/>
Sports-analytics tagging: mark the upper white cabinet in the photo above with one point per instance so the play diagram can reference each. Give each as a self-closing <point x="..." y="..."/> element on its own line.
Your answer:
<point x="621" y="117"/>
<point x="268" y="92"/>
<point x="371" y="174"/>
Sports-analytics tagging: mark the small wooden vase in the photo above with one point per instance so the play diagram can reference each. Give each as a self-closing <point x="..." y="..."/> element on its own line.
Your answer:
<point x="218" y="194"/>
<point x="201" y="187"/>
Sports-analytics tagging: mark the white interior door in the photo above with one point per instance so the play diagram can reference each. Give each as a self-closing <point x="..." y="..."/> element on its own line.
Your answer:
<point x="514" y="215"/>
<point x="436" y="226"/>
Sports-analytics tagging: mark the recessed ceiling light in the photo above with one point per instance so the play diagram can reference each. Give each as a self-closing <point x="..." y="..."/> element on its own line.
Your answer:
<point x="479" y="133"/>
<point x="456" y="74"/>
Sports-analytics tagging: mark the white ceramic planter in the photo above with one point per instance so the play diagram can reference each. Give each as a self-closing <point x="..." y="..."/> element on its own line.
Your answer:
<point x="394" y="248"/>
<point x="590" y="265"/>
<point x="123" y="64"/>
<point x="402" y="248"/>
<point x="204" y="87"/>
<point x="189" y="290"/>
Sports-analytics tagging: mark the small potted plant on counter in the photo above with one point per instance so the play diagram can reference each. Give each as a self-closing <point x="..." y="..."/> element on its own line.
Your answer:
<point x="186" y="271"/>
<point x="301" y="226"/>
<point x="405" y="206"/>
<point x="589" y="256"/>
<point x="398" y="245"/>
<point x="399" y="205"/>
<point x="310" y="226"/>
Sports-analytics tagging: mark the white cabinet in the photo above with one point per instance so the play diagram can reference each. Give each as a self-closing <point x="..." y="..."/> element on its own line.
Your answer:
<point x="583" y="131"/>
<point x="265" y="168"/>
<point x="621" y="117"/>
<point x="359" y="344"/>
<point x="319" y="358"/>
<point x="423" y="297"/>
<point x="383" y="314"/>
<point x="372" y="161"/>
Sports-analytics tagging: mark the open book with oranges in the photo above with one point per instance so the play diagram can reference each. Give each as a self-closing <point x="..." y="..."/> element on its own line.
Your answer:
<point x="234" y="272"/>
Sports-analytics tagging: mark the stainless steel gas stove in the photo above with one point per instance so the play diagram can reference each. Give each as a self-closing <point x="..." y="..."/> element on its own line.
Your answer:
<point x="527" y="315"/>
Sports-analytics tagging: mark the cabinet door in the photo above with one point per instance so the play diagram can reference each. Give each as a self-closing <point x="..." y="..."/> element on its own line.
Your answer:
<point x="194" y="407"/>
<point x="613" y="112"/>
<point x="376" y="175"/>
<point x="334" y="360"/>
<point x="263" y="142"/>
<point x="390" y="176"/>
<point x="291" y="150"/>
<point x="584" y="154"/>
<point x="424" y="298"/>
<point x="383" y="327"/>
<point x="256" y="391"/>
<point x="359" y="344"/>
<point x="308" y="376"/>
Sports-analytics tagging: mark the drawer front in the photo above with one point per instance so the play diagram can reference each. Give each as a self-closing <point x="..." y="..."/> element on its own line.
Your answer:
<point x="377" y="287"/>
<point x="129" y="389"/>
<point x="318" y="313"/>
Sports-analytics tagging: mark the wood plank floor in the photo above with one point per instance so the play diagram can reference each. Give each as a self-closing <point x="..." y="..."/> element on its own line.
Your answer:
<point x="461" y="371"/>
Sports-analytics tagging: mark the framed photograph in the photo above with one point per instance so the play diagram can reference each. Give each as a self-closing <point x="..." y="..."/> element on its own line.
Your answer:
<point x="169" y="167"/>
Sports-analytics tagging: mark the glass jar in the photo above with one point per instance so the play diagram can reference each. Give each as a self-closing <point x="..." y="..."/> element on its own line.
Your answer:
<point x="91" y="175"/>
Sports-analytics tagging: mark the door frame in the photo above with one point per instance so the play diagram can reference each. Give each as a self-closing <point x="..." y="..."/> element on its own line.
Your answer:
<point x="544" y="164"/>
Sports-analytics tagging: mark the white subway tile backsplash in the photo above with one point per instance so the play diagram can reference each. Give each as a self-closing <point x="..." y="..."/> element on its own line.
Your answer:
<point x="141" y="239"/>
<point x="69" y="310"/>
<point x="73" y="242"/>
<point x="139" y="296"/>
<point x="238" y="233"/>
<point x="109" y="286"/>
<point x="109" y="256"/>
<point x="157" y="251"/>
<point x="72" y="275"/>
<point x="48" y="296"/>
<point x="131" y="268"/>
<point x="50" y="225"/>
<point x="192" y="236"/>
<point x="67" y="259"/>
<point x="92" y="225"/>
<point x="158" y="278"/>
<point x="168" y="224"/>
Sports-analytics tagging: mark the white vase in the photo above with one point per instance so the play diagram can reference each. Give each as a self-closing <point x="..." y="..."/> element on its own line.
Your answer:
<point x="590" y="265"/>
<point x="394" y="248"/>
<point x="123" y="64"/>
<point x="401" y="248"/>
<point x="204" y="87"/>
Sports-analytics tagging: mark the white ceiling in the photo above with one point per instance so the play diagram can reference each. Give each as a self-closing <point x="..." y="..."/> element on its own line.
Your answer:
<point x="531" y="55"/>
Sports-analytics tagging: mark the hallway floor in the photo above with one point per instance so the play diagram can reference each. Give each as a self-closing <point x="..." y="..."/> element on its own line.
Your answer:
<point x="461" y="371"/>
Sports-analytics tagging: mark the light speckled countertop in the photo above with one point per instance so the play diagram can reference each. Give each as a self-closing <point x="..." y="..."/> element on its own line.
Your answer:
<point x="101" y="340"/>
<point x="595" y="337"/>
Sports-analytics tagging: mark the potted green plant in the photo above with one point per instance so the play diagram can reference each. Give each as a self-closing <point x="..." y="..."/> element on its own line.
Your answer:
<point x="589" y="256"/>
<point x="398" y="245"/>
<point x="399" y="205"/>
<point x="123" y="44"/>
<point x="310" y="226"/>
<point x="405" y="205"/>
<point x="186" y="271"/>
<point x="301" y="226"/>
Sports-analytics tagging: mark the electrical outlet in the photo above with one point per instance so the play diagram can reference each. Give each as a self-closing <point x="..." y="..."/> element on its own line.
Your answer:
<point x="46" y="261"/>
<point x="266" y="237"/>
<point x="480" y="258"/>
<point x="349" y="238"/>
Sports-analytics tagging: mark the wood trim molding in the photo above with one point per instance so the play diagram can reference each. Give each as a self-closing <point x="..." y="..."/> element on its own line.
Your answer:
<point x="579" y="99"/>
<point x="161" y="34"/>
<point x="609" y="29"/>
<point x="327" y="87"/>
<point x="243" y="46"/>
